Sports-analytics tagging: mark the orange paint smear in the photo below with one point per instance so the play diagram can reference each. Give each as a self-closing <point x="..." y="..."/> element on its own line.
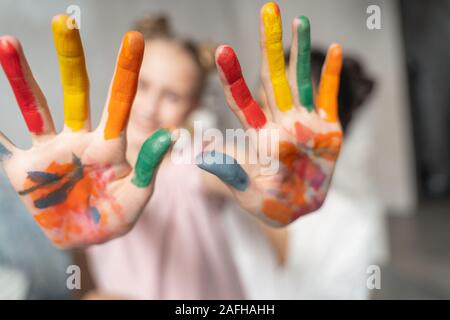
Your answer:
<point x="277" y="211"/>
<point x="327" y="145"/>
<point x="124" y="84"/>
<point x="67" y="221"/>
<point x="303" y="173"/>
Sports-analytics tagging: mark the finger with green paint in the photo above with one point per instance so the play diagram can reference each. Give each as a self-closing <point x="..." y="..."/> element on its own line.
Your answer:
<point x="139" y="186"/>
<point x="300" y="64"/>
<point x="152" y="152"/>
<point x="303" y="65"/>
<point x="300" y="73"/>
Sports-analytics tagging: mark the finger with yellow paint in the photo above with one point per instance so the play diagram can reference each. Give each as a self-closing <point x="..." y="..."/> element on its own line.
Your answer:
<point x="327" y="96"/>
<point x="124" y="84"/>
<point x="273" y="53"/>
<point x="74" y="76"/>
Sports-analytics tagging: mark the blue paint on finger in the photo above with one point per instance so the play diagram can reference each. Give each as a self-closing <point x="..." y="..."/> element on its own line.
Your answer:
<point x="225" y="168"/>
<point x="4" y="153"/>
<point x="95" y="215"/>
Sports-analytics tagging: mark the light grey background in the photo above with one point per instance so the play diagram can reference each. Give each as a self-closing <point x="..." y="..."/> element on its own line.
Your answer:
<point x="236" y="22"/>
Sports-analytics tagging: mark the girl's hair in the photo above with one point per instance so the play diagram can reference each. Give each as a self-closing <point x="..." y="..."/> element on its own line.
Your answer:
<point x="355" y="84"/>
<point x="202" y="54"/>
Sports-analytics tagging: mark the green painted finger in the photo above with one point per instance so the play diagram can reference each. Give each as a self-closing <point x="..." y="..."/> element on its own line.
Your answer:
<point x="151" y="154"/>
<point x="304" y="64"/>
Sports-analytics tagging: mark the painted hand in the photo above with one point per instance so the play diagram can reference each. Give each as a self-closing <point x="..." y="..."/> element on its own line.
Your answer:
<point x="77" y="184"/>
<point x="308" y="133"/>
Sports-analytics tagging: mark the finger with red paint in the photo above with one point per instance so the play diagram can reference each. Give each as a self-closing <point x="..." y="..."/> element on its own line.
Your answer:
<point x="236" y="90"/>
<point x="29" y="96"/>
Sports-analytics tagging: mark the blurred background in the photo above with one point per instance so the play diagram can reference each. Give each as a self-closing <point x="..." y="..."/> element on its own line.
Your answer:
<point x="408" y="116"/>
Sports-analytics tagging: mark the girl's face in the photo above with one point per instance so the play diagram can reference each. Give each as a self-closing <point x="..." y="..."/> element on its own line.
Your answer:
<point x="167" y="87"/>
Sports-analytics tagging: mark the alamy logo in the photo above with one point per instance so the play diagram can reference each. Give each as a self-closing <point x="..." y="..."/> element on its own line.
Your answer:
<point x="374" y="278"/>
<point x="74" y="21"/>
<point x="73" y="281"/>
<point x="259" y="146"/>
<point x="373" y="21"/>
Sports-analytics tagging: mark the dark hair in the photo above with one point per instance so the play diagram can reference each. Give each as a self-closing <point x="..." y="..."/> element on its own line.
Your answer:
<point x="202" y="54"/>
<point x="355" y="84"/>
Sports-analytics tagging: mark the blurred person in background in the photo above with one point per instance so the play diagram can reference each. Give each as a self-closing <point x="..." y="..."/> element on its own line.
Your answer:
<point x="177" y="249"/>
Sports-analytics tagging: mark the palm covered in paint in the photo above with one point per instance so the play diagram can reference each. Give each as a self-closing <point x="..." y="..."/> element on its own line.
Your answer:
<point x="77" y="184"/>
<point x="308" y="135"/>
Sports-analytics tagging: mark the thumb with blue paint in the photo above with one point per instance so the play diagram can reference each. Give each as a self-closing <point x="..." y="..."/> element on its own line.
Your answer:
<point x="225" y="167"/>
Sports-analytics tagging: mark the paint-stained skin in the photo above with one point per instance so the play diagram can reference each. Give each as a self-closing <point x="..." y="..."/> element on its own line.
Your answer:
<point x="306" y="178"/>
<point x="225" y="168"/>
<point x="46" y="179"/>
<point x="68" y="196"/>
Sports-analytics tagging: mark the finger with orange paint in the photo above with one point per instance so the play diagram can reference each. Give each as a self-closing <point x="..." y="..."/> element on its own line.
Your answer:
<point x="273" y="55"/>
<point x="327" y="97"/>
<point x="73" y="71"/>
<point x="124" y="84"/>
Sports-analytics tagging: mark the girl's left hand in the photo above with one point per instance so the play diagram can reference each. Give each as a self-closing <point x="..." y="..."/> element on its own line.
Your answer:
<point x="304" y="133"/>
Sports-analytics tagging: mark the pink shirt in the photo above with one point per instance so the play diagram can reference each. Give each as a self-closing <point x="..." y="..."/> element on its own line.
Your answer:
<point x="177" y="249"/>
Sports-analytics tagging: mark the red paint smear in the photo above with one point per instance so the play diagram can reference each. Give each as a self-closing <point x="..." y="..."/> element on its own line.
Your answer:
<point x="304" y="134"/>
<point x="10" y="61"/>
<point x="314" y="175"/>
<point x="231" y="68"/>
<point x="300" y="166"/>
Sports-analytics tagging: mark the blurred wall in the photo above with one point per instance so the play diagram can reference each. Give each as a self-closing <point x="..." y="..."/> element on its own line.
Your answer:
<point x="235" y="22"/>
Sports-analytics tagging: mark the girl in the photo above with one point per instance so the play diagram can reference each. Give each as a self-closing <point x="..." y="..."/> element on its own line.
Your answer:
<point x="79" y="187"/>
<point x="177" y="249"/>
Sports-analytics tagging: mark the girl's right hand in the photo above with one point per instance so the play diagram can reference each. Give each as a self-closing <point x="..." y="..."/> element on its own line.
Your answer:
<point x="77" y="184"/>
